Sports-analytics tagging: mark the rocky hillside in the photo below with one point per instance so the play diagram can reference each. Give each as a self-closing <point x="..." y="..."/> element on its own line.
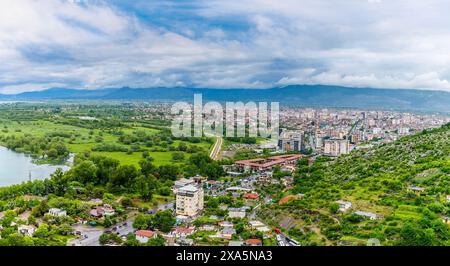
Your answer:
<point x="403" y="185"/>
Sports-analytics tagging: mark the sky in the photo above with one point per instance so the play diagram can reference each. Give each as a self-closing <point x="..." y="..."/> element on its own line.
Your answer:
<point x="91" y="44"/>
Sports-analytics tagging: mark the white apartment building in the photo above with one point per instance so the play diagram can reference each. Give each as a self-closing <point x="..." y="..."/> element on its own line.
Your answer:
<point x="336" y="147"/>
<point x="182" y="183"/>
<point x="189" y="200"/>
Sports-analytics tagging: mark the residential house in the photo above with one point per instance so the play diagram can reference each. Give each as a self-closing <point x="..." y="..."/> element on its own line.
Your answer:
<point x="226" y="224"/>
<point x="26" y="230"/>
<point x="370" y="215"/>
<point x="344" y="205"/>
<point x="183" y="241"/>
<point x="55" y="212"/>
<point x="181" y="231"/>
<point x="144" y="235"/>
<point x="207" y="227"/>
<point x="96" y="201"/>
<point x="236" y="213"/>
<point x="254" y="224"/>
<point x="227" y="232"/>
<point x="416" y="190"/>
<point x="101" y="211"/>
<point x="254" y="242"/>
<point x="235" y="243"/>
<point x="250" y="196"/>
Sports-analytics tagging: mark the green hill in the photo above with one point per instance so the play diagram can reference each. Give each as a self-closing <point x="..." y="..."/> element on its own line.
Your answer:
<point x="404" y="183"/>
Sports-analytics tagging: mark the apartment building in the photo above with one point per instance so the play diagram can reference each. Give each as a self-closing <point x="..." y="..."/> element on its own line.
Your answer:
<point x="189" y="200"/>
<point x="290" y="140"/>
<point x="336" y="147"/>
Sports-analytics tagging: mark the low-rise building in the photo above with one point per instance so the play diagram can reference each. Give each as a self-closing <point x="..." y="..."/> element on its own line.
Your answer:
<point x="344" y="205"/>
<point x="26" y="230"/>
<point x="416" y="190"/>
<point x="181" y="231"/>
<point x="183" y="241"/>
<point x="235" y="243"/>
<point x="101" y="211"/>
<point x="226" y="224"/>
<point x="144" y="235"/>
<point x="57" y="212"/>
<point x="251" y="196"/>
<point x="253" y="242"/>
<point x="236" y="213"/>
<point x="370" y="215"/>
<point x="227" y="232"/>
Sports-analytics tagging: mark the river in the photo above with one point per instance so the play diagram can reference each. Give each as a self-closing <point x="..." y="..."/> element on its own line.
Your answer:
<point x="17" y="167"/>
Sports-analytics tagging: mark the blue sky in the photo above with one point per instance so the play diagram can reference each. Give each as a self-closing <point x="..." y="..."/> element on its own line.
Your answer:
<point x="92" y="44"/>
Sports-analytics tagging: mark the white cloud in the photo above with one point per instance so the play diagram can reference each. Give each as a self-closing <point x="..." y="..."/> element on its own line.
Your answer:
<point x="92" y="44"/>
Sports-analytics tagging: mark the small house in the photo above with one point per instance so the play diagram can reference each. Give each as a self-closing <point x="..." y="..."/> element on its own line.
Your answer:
<point x="144" y="235"/>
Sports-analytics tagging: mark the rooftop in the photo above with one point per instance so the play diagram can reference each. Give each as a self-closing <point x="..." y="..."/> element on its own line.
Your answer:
<point x="145" y="233"/>
<point x="271" y="161"/>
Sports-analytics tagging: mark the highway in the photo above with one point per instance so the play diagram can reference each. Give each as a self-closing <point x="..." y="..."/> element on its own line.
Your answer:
<point x="216" y="150"/>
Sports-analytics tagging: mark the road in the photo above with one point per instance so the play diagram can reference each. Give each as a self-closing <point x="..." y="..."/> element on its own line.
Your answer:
<point x="162" y="207"/>
<point x="216" y="150"/>
<point x="285" y="241"/>
<point x="91" y="235"/>
<point x="252" y="215"/>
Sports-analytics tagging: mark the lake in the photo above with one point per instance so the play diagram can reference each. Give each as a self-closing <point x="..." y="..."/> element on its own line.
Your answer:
<point x="17" y="167"/>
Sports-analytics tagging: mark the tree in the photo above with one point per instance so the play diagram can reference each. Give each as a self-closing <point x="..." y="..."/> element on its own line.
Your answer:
<point x="167" y="172"/>
<point x="334" y="208"/>
<point x="158" y="241"/>
<point x="124" y="176"/>
<point x="147" y="167"/>
<point x="43" y="231"/>
<point x="164" y="220"/>
<point x="59" y="182"/>
<point x="40" y="209"/>
<point x="144" y="185"/>
<point x="142" y="221"/>
<point x="85" y="172"/>
<point x="177" y="156"/>
<point x="65" y="229"/>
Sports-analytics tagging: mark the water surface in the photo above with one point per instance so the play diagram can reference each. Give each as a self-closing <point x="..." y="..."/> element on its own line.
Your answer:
<point x="17" y="167"/>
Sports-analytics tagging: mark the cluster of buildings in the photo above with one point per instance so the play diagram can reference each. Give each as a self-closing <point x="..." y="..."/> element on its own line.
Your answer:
<point x="334" y="132"/>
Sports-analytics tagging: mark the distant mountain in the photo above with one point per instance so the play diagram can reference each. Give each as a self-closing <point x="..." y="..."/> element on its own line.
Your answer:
<point x="295" y="95"/>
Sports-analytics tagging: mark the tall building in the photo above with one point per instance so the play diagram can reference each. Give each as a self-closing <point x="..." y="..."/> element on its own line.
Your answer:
<point x="336" y="147"/>
<point x="189" y="200"/>
<point x="290" y="140"/>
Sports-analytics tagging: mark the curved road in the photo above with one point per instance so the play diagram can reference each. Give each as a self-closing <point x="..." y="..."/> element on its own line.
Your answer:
<point x="216" y="150"/>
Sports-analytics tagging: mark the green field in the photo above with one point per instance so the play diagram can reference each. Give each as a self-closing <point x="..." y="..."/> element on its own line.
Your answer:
<point x="85" y="139"/>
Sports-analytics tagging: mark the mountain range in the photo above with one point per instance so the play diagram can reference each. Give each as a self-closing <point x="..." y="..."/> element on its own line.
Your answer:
<point x="293" y="95"/>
